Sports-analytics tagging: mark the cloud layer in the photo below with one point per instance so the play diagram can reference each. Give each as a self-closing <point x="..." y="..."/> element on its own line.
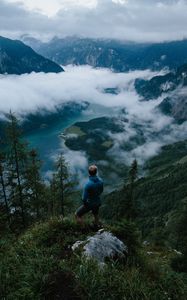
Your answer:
<point x="36" y="91"/>
<point x="133" y="20"/>
<point x="40" y="92"/>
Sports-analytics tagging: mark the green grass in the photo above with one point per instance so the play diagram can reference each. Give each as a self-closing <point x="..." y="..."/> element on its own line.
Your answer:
<point x="40" y="264"/>
<point x="75" y="130"/>
<point x="113" y="282"/>
<point x="107" y="144"/>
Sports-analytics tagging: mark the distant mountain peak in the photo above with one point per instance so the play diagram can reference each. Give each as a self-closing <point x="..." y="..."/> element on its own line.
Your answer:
<point x="117" y="55"/>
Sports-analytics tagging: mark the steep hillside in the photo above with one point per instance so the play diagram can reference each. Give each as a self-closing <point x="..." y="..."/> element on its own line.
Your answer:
<point x="159" y="195"/>
<point x="158" y="85"/>
<point x="17" y="58"/>
<point x="171" y="85"/>
<point x="175" y="106"/>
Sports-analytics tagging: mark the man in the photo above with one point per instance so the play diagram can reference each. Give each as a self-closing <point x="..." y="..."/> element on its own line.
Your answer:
<point x="91" y="197"/>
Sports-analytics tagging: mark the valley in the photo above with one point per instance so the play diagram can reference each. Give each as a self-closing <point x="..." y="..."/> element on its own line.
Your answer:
<point x="123" y="107"/>
<point x="47" y="138"/>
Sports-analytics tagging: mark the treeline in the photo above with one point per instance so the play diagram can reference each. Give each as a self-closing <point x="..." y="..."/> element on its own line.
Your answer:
<point x="24" y="196"/>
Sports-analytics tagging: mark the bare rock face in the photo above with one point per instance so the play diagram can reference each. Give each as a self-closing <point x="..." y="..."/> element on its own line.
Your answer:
<point x="103" y="245"/>
<point x="176" y="106"/>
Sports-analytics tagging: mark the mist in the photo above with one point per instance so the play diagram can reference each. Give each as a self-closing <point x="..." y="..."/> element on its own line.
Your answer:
<point x="32" y="93"/>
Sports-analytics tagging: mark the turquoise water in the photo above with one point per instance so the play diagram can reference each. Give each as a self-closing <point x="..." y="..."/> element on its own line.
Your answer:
<point x="47" y="140"/>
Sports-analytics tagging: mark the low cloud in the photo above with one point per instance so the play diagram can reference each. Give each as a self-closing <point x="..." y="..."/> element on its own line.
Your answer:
<point x="167" y="132"/>
<point x="45" y="92"/>
<point x="78" y="165"/>
<point x="34" y="92"/>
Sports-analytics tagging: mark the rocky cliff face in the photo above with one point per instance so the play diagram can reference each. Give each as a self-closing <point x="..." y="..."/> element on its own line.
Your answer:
<point x="17" y="58"/>
<point x="113" y="54"/>
<point x="176" y="106"/>
<point x="158" y="85"/>
<point x="173" y="87"/>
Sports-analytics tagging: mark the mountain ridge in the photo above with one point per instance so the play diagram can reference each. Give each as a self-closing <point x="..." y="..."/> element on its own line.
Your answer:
<point x="171" y="85"/>
<point x="18" y="58"/>
<point x="117" y="55"/>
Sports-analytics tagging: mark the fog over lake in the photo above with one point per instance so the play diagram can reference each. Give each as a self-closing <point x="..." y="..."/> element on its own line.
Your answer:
<point x="107" y="93"/>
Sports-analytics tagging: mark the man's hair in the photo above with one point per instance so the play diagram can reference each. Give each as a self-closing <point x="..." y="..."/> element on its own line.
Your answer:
<point x="92" y="170"/>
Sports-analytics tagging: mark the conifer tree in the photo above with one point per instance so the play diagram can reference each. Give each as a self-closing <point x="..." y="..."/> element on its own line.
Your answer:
<point x="34" y="186"/>
<point x="133" y="173"/>
<point x="62" y="182"/>
<point x="17" y="157"/>
<point x="3" y="185"/>
<point x="61" y="176"/>
<point x="53" y="196"/>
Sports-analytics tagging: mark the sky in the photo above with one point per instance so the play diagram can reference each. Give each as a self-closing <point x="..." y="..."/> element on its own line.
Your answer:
<point x="50" y="8"/>
<point x="128" y="20"/>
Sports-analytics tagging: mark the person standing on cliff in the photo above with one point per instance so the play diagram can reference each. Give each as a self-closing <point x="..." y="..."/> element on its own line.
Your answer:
<point x="91" y="197"/>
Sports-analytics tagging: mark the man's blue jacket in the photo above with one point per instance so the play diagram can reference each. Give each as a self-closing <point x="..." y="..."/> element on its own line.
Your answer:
<point x="92" y="191"/>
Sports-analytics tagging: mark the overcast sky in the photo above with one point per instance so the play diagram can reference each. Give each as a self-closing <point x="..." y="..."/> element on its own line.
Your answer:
<point x="133" y="20"/>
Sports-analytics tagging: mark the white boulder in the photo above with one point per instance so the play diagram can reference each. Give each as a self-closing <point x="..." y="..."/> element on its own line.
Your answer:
<point x="101" y="246"/>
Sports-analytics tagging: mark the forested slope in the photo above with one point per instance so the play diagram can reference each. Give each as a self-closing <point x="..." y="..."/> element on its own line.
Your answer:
<point x="159" y="195"/>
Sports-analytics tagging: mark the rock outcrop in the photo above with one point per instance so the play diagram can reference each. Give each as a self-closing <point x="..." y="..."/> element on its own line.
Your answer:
<point x="103" y="245"/>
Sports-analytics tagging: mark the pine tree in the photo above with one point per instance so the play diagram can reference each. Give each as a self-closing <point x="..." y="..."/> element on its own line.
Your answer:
<point x="61" y="176"/>
<point x="62" y="183"/>
<point x="133" y="173"/>
<point x="17" y="158"/>
<point x="35" y="188"/>
<point x="3" y="185"/>
<point x="53" y="196"/>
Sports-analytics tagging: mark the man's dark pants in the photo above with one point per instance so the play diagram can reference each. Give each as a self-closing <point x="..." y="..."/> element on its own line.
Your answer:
<point x="85" y="208"/>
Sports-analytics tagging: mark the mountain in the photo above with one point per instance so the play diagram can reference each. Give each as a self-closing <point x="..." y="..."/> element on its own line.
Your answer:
<point x="117" y="55"/>
<point x="173" y="86"/>
<point x="175" y="106"/>
<point x="17" y="58"/>
<point x="158" y="85"/>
